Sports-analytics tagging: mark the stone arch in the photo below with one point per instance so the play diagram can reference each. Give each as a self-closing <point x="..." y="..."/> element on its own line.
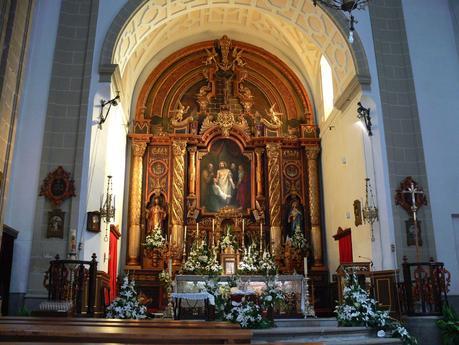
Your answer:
<point x="290" y="12"/>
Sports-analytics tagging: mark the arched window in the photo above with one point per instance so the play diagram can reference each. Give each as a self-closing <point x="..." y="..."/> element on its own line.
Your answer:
<point x="327" y="86"/>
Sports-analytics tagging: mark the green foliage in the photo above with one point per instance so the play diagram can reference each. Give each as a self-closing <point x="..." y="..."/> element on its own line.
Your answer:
<point x="24" y="312"/>
<point x="449" y="326"/>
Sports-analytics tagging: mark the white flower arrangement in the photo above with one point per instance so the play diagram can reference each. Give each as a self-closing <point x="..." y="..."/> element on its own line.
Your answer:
<point x="267" y="264"/>
<point x="155" y="239"/>
<point x="358" y="309"/>
<point x="246" y="313"/>
<point x="228" y="240"/>
<point x="165" y="279"/>
<point x="126" y="305"/>
<point x="201" y="261"/>
<point x="272" y="294"/>
<point x="250" y="261"/>
<point x="298" y="239"/>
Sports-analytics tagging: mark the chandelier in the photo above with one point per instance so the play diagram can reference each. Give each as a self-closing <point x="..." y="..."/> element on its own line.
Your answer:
<point x="369" y="211"/>
<point x="107" y="209"/>
<point x="345" y="6"/>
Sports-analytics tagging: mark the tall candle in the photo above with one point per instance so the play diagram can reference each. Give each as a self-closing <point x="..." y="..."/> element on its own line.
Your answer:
<point x="73" y="241"/>
<point x="197" y="231"/>
<point x="213" y="232"/>
<point x="243" y="230"/>
<point x="305" y="266"/>
<point x="261" y="237"/>
<point x="184" y="236"/>
<point x="170" y="267"/>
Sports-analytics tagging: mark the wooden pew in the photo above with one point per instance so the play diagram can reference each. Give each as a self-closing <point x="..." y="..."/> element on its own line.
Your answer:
<point x="152" y="323"/>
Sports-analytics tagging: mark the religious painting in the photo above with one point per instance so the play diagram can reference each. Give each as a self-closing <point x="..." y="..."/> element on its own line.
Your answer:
<point x="93" y="221"/>
<point x="411" y="233"/>
<point x="55" y="224"/>
<point x="225" y="178"/>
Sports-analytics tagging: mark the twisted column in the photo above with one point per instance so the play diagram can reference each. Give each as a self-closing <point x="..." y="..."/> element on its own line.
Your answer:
<point x="273" y="151"/>
<point x="135" y="202"/>
<point x="312" y="153"/>
<point x="177" y="209"/>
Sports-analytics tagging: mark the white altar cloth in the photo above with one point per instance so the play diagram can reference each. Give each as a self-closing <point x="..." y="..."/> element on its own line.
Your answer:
<point x="194" y="296"/>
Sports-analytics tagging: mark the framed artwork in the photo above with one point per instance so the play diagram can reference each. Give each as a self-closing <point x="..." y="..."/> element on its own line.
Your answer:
<point x="225" y="177"/>
<point x="93" y="221"/>
<point x="55" y="224"/>
<point x="58" y="186"/>
<point x="411" y="234"/>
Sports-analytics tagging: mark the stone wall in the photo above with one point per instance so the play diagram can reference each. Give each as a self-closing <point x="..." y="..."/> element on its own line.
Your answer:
<point x="65" y="127"/>
<point x="401" y="119"/>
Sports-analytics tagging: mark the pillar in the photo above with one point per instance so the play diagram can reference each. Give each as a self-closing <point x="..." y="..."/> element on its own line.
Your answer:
<point x="274" y="178"/>
<point x="312" y="153"/>
<point x="177" y="209"/>
<point x="135" y="202"/>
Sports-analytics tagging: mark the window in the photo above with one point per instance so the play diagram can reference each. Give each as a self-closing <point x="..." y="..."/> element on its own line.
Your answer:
<point x="327" y="86"/>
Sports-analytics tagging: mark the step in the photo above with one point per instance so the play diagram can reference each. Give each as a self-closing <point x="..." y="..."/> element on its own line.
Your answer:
<point x="331" y="335"/>
<point x="309" y="322"/>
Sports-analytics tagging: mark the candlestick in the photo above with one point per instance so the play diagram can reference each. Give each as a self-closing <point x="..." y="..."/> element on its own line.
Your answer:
<point x="305" y="260"/>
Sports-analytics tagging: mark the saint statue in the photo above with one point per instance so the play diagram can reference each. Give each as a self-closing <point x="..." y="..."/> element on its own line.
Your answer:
<point x="295" y="218"/>
<point x="155" y="215"/>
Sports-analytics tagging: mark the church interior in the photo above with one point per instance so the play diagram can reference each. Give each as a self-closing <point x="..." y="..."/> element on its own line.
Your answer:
<point x="181" y="161"/>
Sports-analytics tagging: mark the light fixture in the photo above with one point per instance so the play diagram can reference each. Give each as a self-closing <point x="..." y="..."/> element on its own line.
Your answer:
<point x="364" y="115"/>
<point x="103" y="103"/>
<point x="345" y="6"/>
<point x="107" y="207"/>
<point x="369" y="211"/>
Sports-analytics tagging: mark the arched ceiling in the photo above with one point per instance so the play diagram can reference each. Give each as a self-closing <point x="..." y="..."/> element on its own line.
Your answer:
<point x="297" y="33"/>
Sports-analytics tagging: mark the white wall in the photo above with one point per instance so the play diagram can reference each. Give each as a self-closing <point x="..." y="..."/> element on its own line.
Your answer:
<point x="24" y="185"/>
<point x="435" y="67"/>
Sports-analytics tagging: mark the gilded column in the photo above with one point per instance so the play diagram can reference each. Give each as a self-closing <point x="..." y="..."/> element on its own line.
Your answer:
<point x="259" y="173"/>
<point x="274" y="177"/>
<point x="177" y="209"/>
<point x="192" y="171"/>
<point x="312" y="153"/>
<point x="135" y="202"/>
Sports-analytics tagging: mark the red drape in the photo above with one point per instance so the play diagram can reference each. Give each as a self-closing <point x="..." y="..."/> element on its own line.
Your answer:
<point x="113" y="263"/>
<point x="344" y="245"/>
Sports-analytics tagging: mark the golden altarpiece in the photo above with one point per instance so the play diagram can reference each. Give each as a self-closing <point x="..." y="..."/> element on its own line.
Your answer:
<point x="224" y="134"/>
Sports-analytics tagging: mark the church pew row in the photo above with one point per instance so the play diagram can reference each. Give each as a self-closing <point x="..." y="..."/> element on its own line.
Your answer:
<point x="153" y="323"/>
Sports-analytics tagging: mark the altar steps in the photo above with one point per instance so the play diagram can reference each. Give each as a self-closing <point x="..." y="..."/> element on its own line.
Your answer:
<point x="318" y="330"/>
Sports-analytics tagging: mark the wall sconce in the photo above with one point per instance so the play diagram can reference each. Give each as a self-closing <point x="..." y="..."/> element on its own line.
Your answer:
<point x="369" y="211"/>
<point x="103" y="103"/>
<point x="363" y="114"/>
<point x="107" y="207"/>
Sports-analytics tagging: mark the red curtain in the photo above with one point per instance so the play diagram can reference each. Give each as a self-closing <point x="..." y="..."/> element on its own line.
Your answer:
<point x="113" y="263"/>
<point x="345" y="245"/>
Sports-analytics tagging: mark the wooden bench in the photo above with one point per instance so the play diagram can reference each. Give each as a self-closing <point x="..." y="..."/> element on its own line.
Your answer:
<point x="41" y="331"/>
<point x="153" y="323"/>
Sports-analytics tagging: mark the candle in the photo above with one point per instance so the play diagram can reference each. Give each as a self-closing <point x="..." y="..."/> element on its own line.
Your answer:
<point x="261" y="237"/>
<point x="213" y="232"/>
<point x="73" y="241"/>
<point x="243" y="229"/>
<point x="197" y="231"/>
<point x="184" y="236"/>
<point x="170" y="267"/>
<point x="305" y="266"/>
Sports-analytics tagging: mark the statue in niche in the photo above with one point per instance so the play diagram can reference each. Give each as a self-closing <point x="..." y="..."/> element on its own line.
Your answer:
<point x="294" y="218"/>
<point x="155" y="214"/>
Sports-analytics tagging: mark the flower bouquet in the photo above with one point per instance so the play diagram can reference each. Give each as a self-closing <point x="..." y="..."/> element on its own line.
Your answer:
<point x="126" y="305"/>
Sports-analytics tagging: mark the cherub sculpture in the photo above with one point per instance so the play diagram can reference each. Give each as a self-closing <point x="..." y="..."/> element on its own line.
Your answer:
<point x="274" y="121"/>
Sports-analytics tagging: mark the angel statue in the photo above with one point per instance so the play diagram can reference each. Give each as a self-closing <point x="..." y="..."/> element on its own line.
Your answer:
<point x="177" y="120"/>
<point x="274" y="121"/>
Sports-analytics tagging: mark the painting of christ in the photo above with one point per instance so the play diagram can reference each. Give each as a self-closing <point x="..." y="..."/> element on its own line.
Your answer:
<point x="225" y="177"/>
